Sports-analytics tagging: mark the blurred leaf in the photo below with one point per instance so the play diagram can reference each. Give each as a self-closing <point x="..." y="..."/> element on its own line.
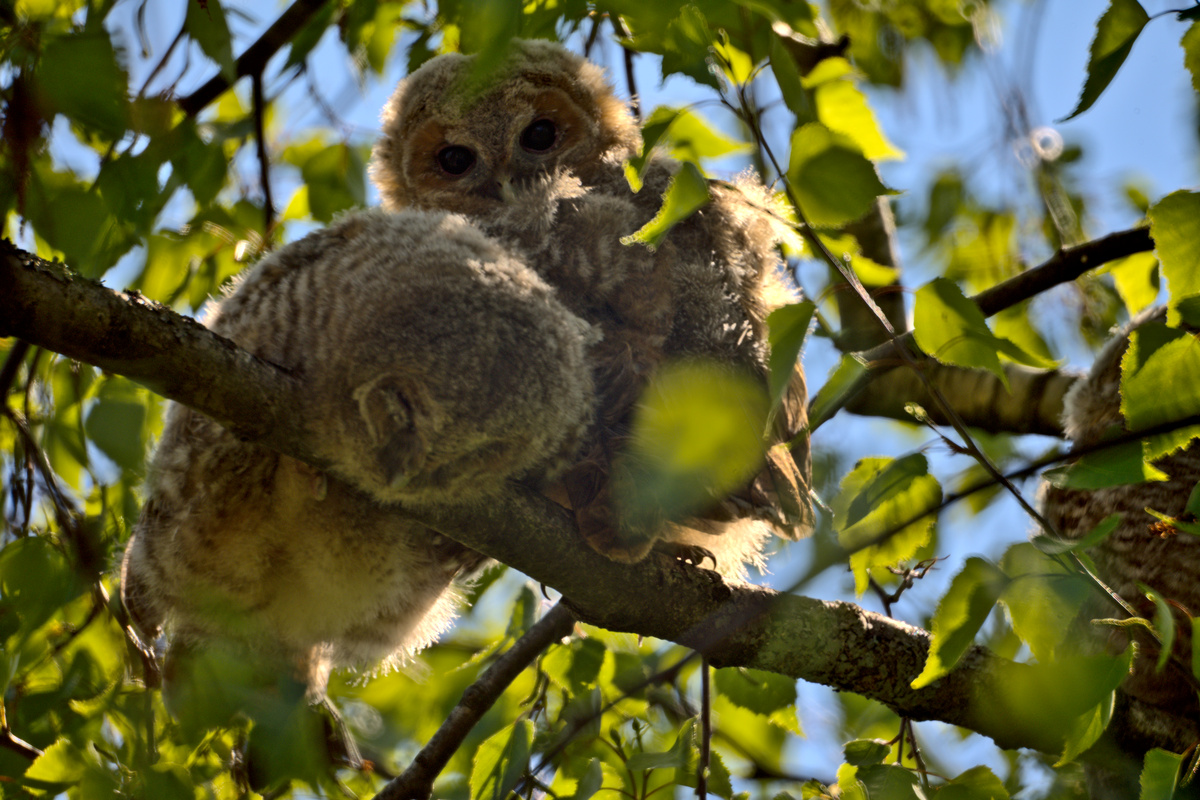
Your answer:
<point x="761" y="692"/>
<point x="890" y="782"/>
<point x="833" y="181"/>
<point x="866" y="752"/>
<point x="1164" y="625"/>
<point x="959" y="616"/>
<point x="977" y="783"/>
<point x="205" y="23"/>
<point x="697" y="433"/>
<point x="1043" y="599"/>
<point x="78" y="76"/>
<point x="687" y="193"/>
<point x="1086" y="729"/>
<point x="115" y="426"/>
<point x="832" y="395"/>
<point x="336" y="179"/>
<point x="871" y="273"/>
<point x="880" y="495"/>
<point x="1136" y="279"/>
<point x="501" y="761"/>
<point x="1191" y="53"/>
<point x="787" y="75"/>
<point x="788" y="328"/>
<point x="843" y="109"/>
<point x="946" y="195"/>
<point x="309" y="36"/>
<point x="1175" y="228"/>
<point x="36" y="580"/>
<point x="61" y="765"/>
<point x="1160" y="774"/>
<point x="1053" y="547"/>
<point x="1116" y="31"/>
<point x="951" y="328"/>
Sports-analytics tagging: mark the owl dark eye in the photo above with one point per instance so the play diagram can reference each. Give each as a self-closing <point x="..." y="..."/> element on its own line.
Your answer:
<point x="540" y="136"/>
<point x="455" y="159"/>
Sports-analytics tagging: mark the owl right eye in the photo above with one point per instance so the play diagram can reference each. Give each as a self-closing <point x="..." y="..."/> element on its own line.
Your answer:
<point x="455" y="159"/>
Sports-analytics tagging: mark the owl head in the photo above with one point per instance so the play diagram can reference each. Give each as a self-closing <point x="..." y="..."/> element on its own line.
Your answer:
<point x="448" y="144"/>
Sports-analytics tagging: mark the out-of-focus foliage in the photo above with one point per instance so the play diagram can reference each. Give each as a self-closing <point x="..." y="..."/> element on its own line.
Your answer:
<point x="103" y="168"/>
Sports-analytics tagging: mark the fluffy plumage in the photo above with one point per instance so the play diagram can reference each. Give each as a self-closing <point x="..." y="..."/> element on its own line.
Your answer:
<point x="1140" y="551"/>
<point x="439" y="367"/>
<point x="534" y="154"/>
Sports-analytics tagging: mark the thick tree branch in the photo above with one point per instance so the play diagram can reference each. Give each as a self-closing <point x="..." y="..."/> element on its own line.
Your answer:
<point x="836" y="644"/>
<point x="1066" y="265"/>
<point x="254" y="60"/>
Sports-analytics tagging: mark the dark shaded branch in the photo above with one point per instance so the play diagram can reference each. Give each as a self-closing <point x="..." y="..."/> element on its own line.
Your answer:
<point x="264" y="164"/>
<point x="416" y="782"/>
<point x="254" y="60"/>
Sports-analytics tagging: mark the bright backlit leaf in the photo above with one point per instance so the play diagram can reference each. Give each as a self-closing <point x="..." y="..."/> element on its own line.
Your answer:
<point x="833" y="181"/>
<point x="1136" y="279"/>
<point x="501" y="761"/>
<point x="687" y="193"/>
<point x="788" y="328"/>
<point x="1160" y="383"/>
<point x="1042" y="600"/>
<point x="847" y="377"/>
<point x="959" y="616"/>
<point x="1160" y="774"/>
<point x="1175" y="228"/>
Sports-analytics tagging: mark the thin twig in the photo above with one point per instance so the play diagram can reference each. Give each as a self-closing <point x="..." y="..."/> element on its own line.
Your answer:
<point x="705" y="728"/>
<point x="635" y="103"/>
<point x="254" y="60"/>
<point x="416" y="782"/>
<point x="264" y="164"/>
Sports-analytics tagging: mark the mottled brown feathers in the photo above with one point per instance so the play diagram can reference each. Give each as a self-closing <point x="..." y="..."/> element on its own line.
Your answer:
<point x="438" y="368"/>
<point x="564" y="204"/>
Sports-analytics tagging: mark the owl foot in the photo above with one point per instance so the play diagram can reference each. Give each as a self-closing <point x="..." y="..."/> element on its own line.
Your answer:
<point x="691" y="554"/>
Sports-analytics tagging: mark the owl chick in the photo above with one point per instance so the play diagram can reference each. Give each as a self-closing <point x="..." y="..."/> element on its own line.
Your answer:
<point x="438" y="367"/>
<point x="1141" y="551"/>
<point x="535" y="154"/>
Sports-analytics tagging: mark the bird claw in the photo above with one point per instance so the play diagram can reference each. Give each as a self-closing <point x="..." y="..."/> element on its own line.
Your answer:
<point x="690" y="554"/>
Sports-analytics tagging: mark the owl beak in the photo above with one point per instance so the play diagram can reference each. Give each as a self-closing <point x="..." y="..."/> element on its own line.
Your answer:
<point x="500" y="189"/>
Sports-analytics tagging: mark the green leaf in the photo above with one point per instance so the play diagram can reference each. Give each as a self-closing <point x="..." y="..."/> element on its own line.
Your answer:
<point x="1086" y="729"/>
<point x="691" y="138"/>
<point x="787" y="75"/>
<point x="501" y="761"/>
<point x="866" y="752"/>
<point x="687" y="193"/>
<point x="115" y="426"/>
<point x="1053" y="547"/>
<point x="1196" y="646"/>
<point x="1160" y="383"/>
<point x="977" y="783"/>
<point x="960" y="615"/>
<point x="1136" y="279"/>
<point x="697" y="432"/>
<point x="62" y="764"/>
<point x="590" y="783"/>
<point x="843" y="109"/>
<point x="833" y="181"/>
<point x="1164" y="625"/>
<point x="846" y="378"/>
<point x="205" y="23"/>
<point x="1114" y="466"/>
<point x="881" y="495"/>
<point x="1160" y="772"/>
<point x="1175" y="228"/>
<point x="788" y="328"/>
<point x="36" y="581"/>
<point x="1116" y="32"/>
<point x="78" y="76"/>
<point x="950" y="327"/>
<point x="755" y="690"/>
<point x="890" y="782"/>
<point x="1191" y="53"/>
<point x="336" y="178"/>
<point x="1043" y="599"/>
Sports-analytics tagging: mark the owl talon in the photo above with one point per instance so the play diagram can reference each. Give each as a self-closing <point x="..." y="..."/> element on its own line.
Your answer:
<point x="690" y="554"/>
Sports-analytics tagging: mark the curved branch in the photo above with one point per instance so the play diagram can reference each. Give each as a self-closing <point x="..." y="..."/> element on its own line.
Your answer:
<point x="833" y="643"/>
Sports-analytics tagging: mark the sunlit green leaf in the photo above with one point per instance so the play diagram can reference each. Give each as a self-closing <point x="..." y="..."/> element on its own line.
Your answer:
<point x="687" y="193"/>
<point x="866" y="752"/>
<point x="1113" y="466"/>
<point x="501" y="761"/>
<point x="977" y="783"/>
<point x="36" y="580"/>
<point x="843" y="108"/>
<point x="1086" y="729"/>
<point x="1116" y="32"/>
<point x="760" y="692"/>
<point x="833" y="181"/>
<point x="1136" y="279"/>
<point x="846" y="377"/>
<point x="788" y="328"/>
<point x="1175" y="228"/>
<point x="1052" y="547"/>
<point x="1191" y="53"/>
<point x="1043" y="599"/>
<point x="1160" y="383"/>
<point x="885" y="496"/>
<point x="61" y="764"/>
<point x="959" y="616"/>
<point x="1160" y="773"/>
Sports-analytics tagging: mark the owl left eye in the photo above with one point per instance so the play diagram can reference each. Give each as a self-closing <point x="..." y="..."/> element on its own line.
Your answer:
<point x="540" y="136"/>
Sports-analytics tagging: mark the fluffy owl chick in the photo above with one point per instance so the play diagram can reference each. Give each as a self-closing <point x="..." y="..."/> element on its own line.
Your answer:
<point x="1141" y="551"/>
<point x="535" y="154"/>
<point x="438" y="367"/>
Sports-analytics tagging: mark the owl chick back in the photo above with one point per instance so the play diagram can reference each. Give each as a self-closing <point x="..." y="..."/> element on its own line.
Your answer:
<point x="535" y="154"/>
<point x="437" y="366"/>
